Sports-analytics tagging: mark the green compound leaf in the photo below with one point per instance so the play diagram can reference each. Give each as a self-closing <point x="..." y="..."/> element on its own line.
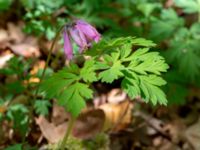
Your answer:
<point x="65" y="85"/>
<point x="72" y="98"/>
<point x="184" y="52"/>
<point x="15" y="147"/>
<point x="109" y="46"/>
<point x="114" y="67"/>
<point x="113" y="73"/>
<point x="144" y="63"/>
<point x="110" y="60"/>
<point x="58" y="81"/>
<point x="146" y="86"/>
<point x="151" y="90"/>
<point x="188" y="6"/>
<point x="18" y="113"/>
<point x="88" y="71"/>
<point x="166" y="25"/>
<point x="140" y="70"/>
<point x="131" y="87"/>
<point x="142" y="42"/>
<point x="41" y="107"/>
<point x="148" y="8"/>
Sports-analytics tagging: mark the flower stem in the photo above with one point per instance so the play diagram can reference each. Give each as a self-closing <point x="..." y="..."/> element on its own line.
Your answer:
<point x="199" y="17"/>
<point x="69" y="128"/>
<point x="47" y="62"/>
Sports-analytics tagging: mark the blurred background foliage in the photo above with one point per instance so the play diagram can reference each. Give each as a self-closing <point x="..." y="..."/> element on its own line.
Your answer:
<point x="173" y="25"/>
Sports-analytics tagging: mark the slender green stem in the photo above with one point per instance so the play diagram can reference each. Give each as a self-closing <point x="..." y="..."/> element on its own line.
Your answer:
<point x="199" y="17"/>
<point x="69" y="128"/>
<point x="47" y="62"/>
<point x="198" y="1"/>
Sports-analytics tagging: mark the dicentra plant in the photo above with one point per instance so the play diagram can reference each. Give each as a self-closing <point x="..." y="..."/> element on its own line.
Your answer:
<point x="127" y="59"/>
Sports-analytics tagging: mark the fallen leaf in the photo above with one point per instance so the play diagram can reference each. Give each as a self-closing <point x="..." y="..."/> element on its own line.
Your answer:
<point x="99" y="100"/>
<point x="37" y="66"/>
<point x="26" y="46"/>
<point x="169" y="3"/>
<point x="116" y="96"/>
<point x="89" y="123"/>
<point x="25" y="50"/>
<point x="118" y="116"/>
<point x="3" y="35"/>
<point x="15" y="32"/>
<point x="193" y="135"/>
<point x="59" y="115"/>
<point x="51" y="132"/>
<point x="3" y="109"/>
<point x="4" y="58"/>
<point x="167" y="145"/>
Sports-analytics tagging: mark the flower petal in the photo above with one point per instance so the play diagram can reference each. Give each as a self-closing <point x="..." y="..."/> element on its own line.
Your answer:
<point x="67" y="45"/>
<point x="78" y="37"/>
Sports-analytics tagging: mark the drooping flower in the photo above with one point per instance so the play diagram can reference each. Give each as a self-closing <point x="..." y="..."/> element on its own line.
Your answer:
<point x="89" y="31"/>
<point x="82" y="33"/>
<point x="67" y="45"/>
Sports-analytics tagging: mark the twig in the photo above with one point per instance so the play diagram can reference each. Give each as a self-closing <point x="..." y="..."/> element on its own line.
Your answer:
<point x="154" y="123"/>
<point x="151" y="121"/>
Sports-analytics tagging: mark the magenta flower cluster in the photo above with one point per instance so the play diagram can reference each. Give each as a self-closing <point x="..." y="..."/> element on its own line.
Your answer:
<point x="82" y="33"/>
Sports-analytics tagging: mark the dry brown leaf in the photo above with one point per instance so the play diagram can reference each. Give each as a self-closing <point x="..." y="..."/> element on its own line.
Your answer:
<point x="117" y="115"/>
<point x="59" y="115"/>
<point x="113" y="117"/>
<point x="167" y="145"/>
<point x="157" y="141"/>
<point x="6" y="56"/>
<point x="193" y="135"/>
<point x="15" y="32"/>
<point x="20" y="44"/>
<point x="169" y="3"/>
<point x="25" y="50"/>
<point x="116" y="96"/>
<point x="51" y="132"/>
<point x="37" y="66"/>
<point x="88" y="124"/>
<point x="33" y="80"/>
<point x="3" y="109"/>
<point x="3" y="35"/>
<point x="174" y="129"/>
<point x="99" y="100"/>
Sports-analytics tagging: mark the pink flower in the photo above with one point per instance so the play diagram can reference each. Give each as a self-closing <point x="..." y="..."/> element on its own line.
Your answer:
<point x="89" y="31"/>
<point x="82" y="33"/>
